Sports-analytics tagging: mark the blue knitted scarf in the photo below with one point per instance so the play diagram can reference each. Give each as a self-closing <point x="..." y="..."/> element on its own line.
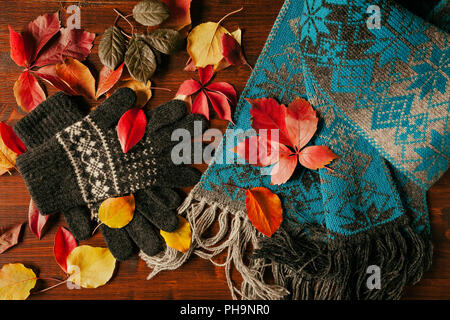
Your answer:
<point x="382" y="95"/>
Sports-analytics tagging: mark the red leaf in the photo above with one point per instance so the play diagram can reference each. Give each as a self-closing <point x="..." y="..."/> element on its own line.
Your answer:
<point x="206" y="74"/>
<point x="20" y="50"/>
<point x="200" y="105"/>
<point x="9" y="237"/>
<point x="108" y="78"/>
<point x="284" y="169"/>
<point x="28" y="92"/>
<point x="269" y="114"/>
<point x="10" y="139"/>
<point x="264" y="210"/>
<point x="64" y="244"/>
<point x="180" y="15"/>
<point x="190" y="66"/>
<point x="189" y="87"/>
<point x="74" y="43"/>
<point x="36" y="220"/>
<point x="41" y="30"/>
<point x="226" y="89"/>
<point x="131" y="128"/>
<point x="316" y="157"/>
<point x="48" y="73"/>
<point x="232" y="50"/>
<point x="301" y="122"/>
<point x="220" y="103"/>
<point x="259" y="151"/>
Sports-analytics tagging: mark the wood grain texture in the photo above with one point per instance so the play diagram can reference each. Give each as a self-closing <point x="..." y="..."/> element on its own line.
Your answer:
<point x="197" y="279"/>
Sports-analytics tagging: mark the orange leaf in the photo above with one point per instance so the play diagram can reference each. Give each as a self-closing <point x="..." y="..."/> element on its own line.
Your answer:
<point x="108" y="79"/>
<point x="316" y="157"/>
<point x="181" y="238"/>
<point x="117" y="212"/>
<point x="264" y="210"/>
<point x="28" y="92"/>
<point x="77" y="76"/>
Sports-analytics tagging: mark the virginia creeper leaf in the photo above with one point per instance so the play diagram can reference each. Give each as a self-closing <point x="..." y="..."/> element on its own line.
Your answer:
<point x="20" y="50"/>
<point x="10" y="139"/>
<point x="301" y="122"/>
<point x="36" y="220"/>
<point x="111" y="49"/>
<point x="316" y="157"/>
<point x="259" y="151"/>
<point x="131" y="128"/>
<point x="41" y="30"/>
<point x="200" y="105"/>
<point x="28" y="91"/>
<point x="232" y="50"/>
<point x="151" y="12"/>
<point x="220" y="104"/>
<point x="9" y="237"/>
<point x="64" y="244"/>
<point x="226" y="89"/>
<point x="16" y="281"/>
<point x="189" y="87"/>
<point x="48" y="73"/>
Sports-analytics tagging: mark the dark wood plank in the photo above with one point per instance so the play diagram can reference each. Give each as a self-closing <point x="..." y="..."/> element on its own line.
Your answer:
<point x="197" y="279"/>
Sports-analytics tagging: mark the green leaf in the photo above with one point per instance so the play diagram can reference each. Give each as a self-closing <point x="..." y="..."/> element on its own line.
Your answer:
<point x="167" y="41"/>
<point x="112" y="48"/>
<point x="140" y="60"/>
<point x="151" y="13"/>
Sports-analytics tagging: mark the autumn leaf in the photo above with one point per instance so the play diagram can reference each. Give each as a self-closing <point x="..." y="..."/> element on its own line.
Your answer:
<point x="77" y="76"/>
<point x="28" y="91"/>
<point x="223" y="64"/>
<point x="181" y="238"/>
<point x="7" y="157"/>
<point x="20" y="50"/>
<point x="9" y="237"/>
<point x="41" y="30"/>
<point x="143" y="91"/>
<point x="10" y="139"/>
<point x="117" y="212"/>
<point x="107" y="79"/>
<point x="264" y="210"/>
<point x="16" y="281"/>
<point x="180" y="14"/>
<point x="221" y="94"/>
<point x="36" y="220"/>
<point x="151" y="12"/>
<point x="131" y="128"/>
<point x="232" y="51"/>
<point x="48" y="73"/>
<point x="90" y="267"/>
<point x="64" y="244"/>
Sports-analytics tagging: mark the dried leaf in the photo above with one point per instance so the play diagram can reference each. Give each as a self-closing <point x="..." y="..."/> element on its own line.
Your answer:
<point x="264" y="210"/>
<point x="36" y="220"/>
<point x="7" y="158"/>
<point x="131" y="128"/>
<point x="28" y="92"/>
<point x="316" y="157"/>
<point x="223" y="64"/>
<point x="204" y="44"/>
<point x="232" y="51"/>
<point x="9" y="237"/>
<point x="10" y="139"/>
<point x="41" y="30"/>
<point x="64" y="244"/>
<point x="111" y="49"/>
<point x="20" y="50"/>
<point x="181" y="238"/>
<point x="180" y="14"/>
<point x="166" y="41"/>
<point x="77" y="76"/>
<point x="151" y="12"/>
<point x="143" y="91"/>
<point x="107" y="79"/>
<point x="16" y="281"/>
<point x="140" y="60"/>
<point x="48" y="73"/>
<point x="90" y="267"/>
<point x="117" y="212"/>
<point x="220" y="104"/>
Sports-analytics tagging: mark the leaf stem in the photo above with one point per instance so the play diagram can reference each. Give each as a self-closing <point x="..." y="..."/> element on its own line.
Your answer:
<point x="230" y="185"/>
<point x="125" y="18"/>
<point x="51" y="287"/>
<point x="158" y="88"/>
<point x="229" y="14"/>
<point x="95" y="229"/>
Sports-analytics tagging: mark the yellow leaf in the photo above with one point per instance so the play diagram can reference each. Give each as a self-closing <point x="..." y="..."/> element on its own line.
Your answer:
<point x="7" y="158"/>
<point x="90" y="267"/>
<point x="181" y="238"/>
<point x="77" y="76"/>
<point x="16" y="281"/>
<point x="204" y="44"/>
<point x="143" y="91"/>
<point x="117" y="212"/>
<point x="223" y="64"/>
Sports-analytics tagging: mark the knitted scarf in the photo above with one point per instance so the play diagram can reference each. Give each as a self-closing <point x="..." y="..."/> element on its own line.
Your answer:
<point x="382" y="95"/>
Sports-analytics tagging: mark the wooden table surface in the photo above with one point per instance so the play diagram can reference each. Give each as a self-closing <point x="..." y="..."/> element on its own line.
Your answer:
<point x="197" y="279"/>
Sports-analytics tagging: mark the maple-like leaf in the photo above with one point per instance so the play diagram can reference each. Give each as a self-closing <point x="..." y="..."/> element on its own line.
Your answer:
<point x="41" y="30"/>
<point x="221" y="94"/>
<point x="28" y="91"/>
<point x="294" y="127"/>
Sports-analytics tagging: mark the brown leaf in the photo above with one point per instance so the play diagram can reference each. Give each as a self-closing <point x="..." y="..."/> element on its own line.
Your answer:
<point x="10" y="237"/>
<point x="77" y="76"/>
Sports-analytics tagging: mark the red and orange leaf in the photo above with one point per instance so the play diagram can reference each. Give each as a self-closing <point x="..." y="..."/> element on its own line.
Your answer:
<point x="267" y="113"/>
<point x="36" y="220"/>
<point x="232" y="50"/>
<point x="283" y="170"/>
<point x="77" y="76"/>
<point x="316" y="157"/>
<point x="10" y="139"/>
<point x="206" y="74"/>
<point x="264" y="210"/>
<point x="189" y="87"/>
<point x="301" y="122"/>
<point x="226" y="89"/>
<point x="258" y="151"/>
<point x="201" y="105"/>
<point x="9" y="237"/>
<point x="131" y="128"/>
<point x="180" y="14"/>
<point x="190" y="66"/>
<point x="220" y="104"/>
<point x="108" y="78"/>
<point x="28" y="92"/>
<point x="41" y="30"/>
<point x="64" y="244"/>
<point x="48" y="73"/>
<point x="20" y="49"/>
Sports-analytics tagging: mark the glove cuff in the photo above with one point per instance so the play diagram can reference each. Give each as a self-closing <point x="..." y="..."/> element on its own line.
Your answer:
<point x="51" y="116"/>
<point x="49" y="177"/>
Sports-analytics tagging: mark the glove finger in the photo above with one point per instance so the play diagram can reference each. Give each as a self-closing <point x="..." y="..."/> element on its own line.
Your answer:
<point x="118" y="242"/>
<point x="172" y="176"/>
<point x="109" y="112"/>
<point x="166" y="114"/>
<point x="167" y="196"/>
<point x="156" y="211"/>
<point x="145" y="235"/>
<point x="79" y="222"/>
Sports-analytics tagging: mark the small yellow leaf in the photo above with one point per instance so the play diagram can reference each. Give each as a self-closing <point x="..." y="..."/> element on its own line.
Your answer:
<point x="16" y="281"/>
<point x="204" y="44"/>
<point x="117" y="212"/>
<point x="142" y="90"/>
<point x="7" y="158"/>
<point x="181" y="238"/>
<point x="90" y="267"/>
